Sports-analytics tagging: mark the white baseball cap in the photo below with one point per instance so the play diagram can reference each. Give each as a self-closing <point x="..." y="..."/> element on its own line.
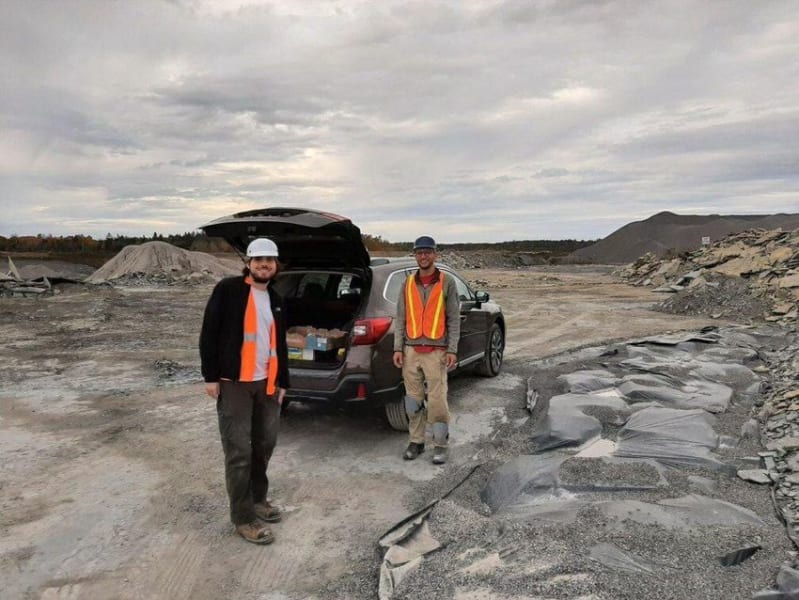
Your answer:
<point x="262" y="247"/>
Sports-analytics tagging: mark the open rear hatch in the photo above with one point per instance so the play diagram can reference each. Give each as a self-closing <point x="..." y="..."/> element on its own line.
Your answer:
<point x="306" y="239"/>
<point x="324" y="279"/>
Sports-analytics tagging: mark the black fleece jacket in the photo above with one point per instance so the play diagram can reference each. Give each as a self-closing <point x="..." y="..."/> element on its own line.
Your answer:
<point x="223" y="331"/>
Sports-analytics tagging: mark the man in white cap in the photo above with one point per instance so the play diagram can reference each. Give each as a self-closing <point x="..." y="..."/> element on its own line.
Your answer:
<point x="245" y="367"/>
<point x="426" y="334"/>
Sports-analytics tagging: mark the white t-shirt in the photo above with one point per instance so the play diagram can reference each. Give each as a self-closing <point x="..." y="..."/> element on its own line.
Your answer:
<point x="263" y="310"/>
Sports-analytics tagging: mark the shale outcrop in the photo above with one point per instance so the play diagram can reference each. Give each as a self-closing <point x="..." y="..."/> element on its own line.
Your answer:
<point x="748" y="276"/>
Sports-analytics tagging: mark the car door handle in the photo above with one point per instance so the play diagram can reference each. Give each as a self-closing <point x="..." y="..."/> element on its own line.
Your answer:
<point x="463" y="317"/>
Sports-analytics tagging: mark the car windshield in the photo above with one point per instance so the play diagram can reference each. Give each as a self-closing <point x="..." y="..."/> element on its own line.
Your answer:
<point x="397" y="279"/>
<point x="318" y="285"/>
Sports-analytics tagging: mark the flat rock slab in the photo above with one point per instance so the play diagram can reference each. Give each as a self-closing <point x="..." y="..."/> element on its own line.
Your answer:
<point x="759" y="476"/>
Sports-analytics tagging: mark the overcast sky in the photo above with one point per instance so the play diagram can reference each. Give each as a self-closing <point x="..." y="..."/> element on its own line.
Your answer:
<point x="467" y="120"/>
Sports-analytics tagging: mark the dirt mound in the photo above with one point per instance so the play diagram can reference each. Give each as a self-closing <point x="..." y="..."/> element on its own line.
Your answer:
<point x="162" y="263"/>
<point x="669" y="234"/>
<point x="749" y="276"/>
<point x="491" y="259"/>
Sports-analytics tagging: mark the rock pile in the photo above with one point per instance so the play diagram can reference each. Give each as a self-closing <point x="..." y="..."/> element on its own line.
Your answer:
<point x="13" y="283"/>
<point x="777" y="417"/>
<point x="160" y="263"/>
<point x="667" y="233"/>
<point x="753" y="274"/>
<point x="492" y="259"/>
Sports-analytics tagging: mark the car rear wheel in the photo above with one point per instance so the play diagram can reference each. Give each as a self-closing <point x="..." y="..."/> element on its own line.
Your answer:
<point x="396" y="415"/>
<point x="495" y="348"/>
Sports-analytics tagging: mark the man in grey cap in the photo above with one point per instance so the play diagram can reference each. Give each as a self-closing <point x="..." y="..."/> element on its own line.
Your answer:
<point x="426" y="348"/>
<point x="244" y="360"/>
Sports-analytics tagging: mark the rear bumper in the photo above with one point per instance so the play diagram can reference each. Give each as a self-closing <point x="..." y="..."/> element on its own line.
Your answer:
<point x="351" y="389"/>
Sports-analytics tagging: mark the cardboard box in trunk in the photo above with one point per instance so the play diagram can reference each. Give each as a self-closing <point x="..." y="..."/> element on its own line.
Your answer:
<point x="310" y="338"/>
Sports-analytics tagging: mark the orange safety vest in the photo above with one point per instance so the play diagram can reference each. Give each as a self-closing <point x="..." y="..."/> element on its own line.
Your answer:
<point x="248" y="348"/>
<point x="420" y="318"/>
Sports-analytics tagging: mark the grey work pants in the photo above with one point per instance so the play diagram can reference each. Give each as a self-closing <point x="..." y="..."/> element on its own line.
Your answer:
<point x="248" y="425"/>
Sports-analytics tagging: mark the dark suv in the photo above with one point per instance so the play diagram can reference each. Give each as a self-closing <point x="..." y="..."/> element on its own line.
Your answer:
<point x="330" y="282"/>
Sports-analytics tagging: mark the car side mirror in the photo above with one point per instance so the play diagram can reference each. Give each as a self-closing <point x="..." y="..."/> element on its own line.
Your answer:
<point x="481" y="297"/>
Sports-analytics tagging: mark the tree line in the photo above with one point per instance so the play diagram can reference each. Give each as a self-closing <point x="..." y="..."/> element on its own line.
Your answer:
<point x="195" y="240"/>
<point x="110" y="244"/>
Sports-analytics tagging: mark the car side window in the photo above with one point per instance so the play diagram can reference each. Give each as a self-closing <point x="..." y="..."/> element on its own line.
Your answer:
<point x="394" y="284"/>
<point x="465" y="294"/>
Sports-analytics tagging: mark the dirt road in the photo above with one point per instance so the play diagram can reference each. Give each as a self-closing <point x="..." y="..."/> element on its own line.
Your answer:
<point x="112" y="486"/>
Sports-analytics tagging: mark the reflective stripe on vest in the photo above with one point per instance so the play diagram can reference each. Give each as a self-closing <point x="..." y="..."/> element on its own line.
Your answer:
<point x="248" y="347"/>
<point x="421" y="318"/>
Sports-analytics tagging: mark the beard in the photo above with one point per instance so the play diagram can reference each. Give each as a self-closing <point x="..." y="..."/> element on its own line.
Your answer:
<point x="258" y="279"/>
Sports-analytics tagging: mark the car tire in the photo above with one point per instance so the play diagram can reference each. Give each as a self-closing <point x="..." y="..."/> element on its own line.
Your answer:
<point x="396" y="416"/>
<point x="495" y="349"/>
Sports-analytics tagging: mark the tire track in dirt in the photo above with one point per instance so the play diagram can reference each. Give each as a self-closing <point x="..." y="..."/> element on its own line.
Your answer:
<point x="298" y="536"/>
<point x="70" y="591"/>
<point x="181" y="569"/>
<point x="531" y="343"/>
<point x="275" y="566"/>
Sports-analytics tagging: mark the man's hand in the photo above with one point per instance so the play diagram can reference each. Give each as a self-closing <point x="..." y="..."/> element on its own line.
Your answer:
<point x="212" y="389"/>
<point x="398" y="359"/>
<point x="281" y="393"/>
<point x="452" y="359"/>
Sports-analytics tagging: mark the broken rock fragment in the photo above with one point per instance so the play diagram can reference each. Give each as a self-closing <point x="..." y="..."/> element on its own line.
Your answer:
<point x="736" y="557"/>
<point x="759" y="476"/>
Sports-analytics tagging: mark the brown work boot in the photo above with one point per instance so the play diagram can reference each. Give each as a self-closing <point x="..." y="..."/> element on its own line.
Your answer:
<point x="267" y="512"/>
<point x="256" y="532"/>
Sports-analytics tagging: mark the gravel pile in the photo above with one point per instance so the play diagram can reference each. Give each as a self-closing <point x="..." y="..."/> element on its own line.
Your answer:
<point x="597" y="472"/>
<point x="160" y="263"/>
<point x="719" y="297"/>
<point x="667" y="233"/>
<point x="492" y="259"/>
<point x="753" y="275"/>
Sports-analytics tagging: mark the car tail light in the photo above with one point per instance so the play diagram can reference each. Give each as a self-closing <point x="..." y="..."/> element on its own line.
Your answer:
<point x="369" y="331"/>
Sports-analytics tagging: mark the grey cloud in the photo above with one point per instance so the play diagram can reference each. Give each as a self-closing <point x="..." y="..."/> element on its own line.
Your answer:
<point x="272" y="103"/>
<point x="553" y="172"/>
<point x="772" y="132"/>
<point x="562" y="118"/>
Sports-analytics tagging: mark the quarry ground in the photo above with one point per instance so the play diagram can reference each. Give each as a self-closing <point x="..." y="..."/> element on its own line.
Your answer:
<point x="111" y="484"/>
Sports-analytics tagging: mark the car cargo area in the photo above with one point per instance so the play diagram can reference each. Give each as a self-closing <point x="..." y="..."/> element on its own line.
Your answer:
<point x="321" y="307"/>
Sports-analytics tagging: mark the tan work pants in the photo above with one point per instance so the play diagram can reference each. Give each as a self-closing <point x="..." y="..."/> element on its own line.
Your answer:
<point x="418" y="367"/>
